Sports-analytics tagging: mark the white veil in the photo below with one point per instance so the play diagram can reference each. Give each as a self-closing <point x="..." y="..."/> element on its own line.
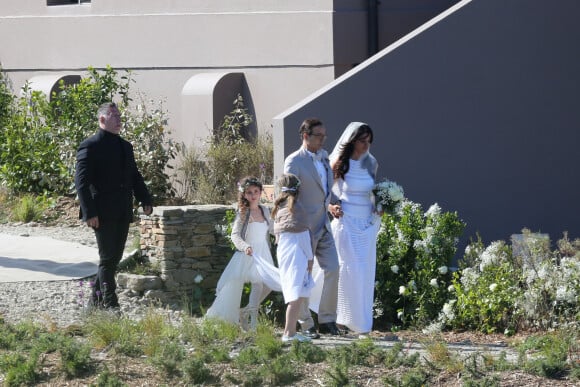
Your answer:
<point x="344" y="139"/>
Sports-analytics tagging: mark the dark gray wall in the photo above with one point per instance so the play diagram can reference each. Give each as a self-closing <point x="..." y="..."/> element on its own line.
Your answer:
<point x="480" y="112"/>
<point x="394" y="18"/>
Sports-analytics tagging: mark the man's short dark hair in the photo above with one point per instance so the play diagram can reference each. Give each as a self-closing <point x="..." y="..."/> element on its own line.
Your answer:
<point x="308" y="124"/>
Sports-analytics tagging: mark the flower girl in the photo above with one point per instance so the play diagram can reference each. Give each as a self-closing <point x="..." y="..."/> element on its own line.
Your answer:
<point x="294" y="253"/>
<point x="251" y="263"/>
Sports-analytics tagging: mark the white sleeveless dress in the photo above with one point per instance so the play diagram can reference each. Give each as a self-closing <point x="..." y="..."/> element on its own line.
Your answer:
<point x="244" y="268"/>
<point x="355" y="235"/>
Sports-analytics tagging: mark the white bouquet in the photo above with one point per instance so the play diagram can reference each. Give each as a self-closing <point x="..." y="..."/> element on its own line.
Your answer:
<point x="387" y="195"/>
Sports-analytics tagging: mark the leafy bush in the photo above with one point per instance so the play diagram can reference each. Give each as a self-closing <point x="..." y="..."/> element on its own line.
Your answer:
<point x="6" y="99"/>
<point x="153" y="147"/>
<point x="108" y="379"/>
<point x="169" y="357"/>
<point x="40" y="138"/>
<point x="26" y="210"/>
<point x="75" y="357"/>
<point x="486" y="291"/>
<point x="549" y="355"/>
<point x="505" y="290"/>
<point x="29" y="151"/>
<point x="195" y="371"/>
<point x="414" y="251"/>
<point x="209" y="174"/>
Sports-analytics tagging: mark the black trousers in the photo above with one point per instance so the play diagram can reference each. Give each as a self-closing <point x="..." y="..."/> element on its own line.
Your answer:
<point x="111" y="239"/>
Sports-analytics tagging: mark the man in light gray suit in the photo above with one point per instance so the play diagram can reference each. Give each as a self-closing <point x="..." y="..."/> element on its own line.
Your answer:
<point x="310" y="164"/>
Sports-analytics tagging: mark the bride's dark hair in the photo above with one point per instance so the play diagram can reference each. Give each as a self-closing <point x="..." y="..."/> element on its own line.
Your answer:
<point x="342" y="164"/>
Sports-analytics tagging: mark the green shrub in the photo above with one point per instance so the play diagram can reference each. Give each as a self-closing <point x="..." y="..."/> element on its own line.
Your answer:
<point x="169" y="357"/>
<point x="195" y="371"/>
<point x="29" y="153"/>
<point x="154" y="148"/>
<point x="75" y="357"/>
<point x="121" y="335"/>
<point x="486" y="292"/>
<point x="280" y="371"/>
<point x="395" y="357"/>
<point x="248" y="356"/>
<point x="414" y="251"/>
<point x="28" y="208"/>
<point x="19" y="370"/>
<point x="415" y="377"/>
<point x="6" y="100"/>
<point x="337" y="375"/>
<point x="40" y="138"/>
<point x="500" y="291"/>
<point x="266" y="341"/>
<point x="549" y="355"/>
<point x="108" y="379"/>
<point x="307" y="352"/>
<point x="359" y="353"/>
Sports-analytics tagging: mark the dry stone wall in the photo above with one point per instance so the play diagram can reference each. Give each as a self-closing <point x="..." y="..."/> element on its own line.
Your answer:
<point x="190" y="247"/>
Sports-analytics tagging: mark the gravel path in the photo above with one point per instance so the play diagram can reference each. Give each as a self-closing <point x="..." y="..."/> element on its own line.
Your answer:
<point x="59" y="303"/>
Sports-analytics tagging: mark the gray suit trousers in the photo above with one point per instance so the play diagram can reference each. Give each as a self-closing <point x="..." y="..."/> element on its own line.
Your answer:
<point x="325" y="253"/>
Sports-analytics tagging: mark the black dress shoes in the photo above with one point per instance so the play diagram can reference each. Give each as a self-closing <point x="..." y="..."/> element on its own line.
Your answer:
<point x="329" y="328"/>
<point x="310" y="333"/>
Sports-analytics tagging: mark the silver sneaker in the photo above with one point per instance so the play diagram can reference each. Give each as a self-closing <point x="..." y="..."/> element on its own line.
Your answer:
<point x="296" y="337"/>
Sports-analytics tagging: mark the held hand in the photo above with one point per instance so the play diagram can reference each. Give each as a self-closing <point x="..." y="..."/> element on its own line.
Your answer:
<point x="147" y="210"/>
<point x="335" y="210"/>
<point x="93" y="222"/>
<point x="249" y="251"/>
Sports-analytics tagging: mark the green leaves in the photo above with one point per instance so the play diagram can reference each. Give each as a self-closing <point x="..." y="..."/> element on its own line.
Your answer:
<point x="414" y="250"/>
<point x="39" y="139"/>
<point x="501" y="289"/>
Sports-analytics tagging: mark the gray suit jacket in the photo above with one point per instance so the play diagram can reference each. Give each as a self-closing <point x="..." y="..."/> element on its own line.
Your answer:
<point x="311" y="199"/>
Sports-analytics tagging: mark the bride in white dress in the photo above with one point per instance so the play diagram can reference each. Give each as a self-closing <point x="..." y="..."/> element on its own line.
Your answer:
<point x="251" y="263"/>
<point x="355" y="233"/>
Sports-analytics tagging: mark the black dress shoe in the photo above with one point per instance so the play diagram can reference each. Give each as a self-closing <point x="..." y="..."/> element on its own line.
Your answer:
<point x="329" y="328"/>
<point x="310" y="333"/>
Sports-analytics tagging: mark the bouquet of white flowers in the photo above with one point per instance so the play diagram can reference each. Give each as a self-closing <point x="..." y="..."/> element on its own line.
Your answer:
<point x="387" y="195"/>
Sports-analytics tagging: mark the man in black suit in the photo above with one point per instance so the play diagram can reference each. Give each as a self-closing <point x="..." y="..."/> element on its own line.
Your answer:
<point x="106" y="179"/>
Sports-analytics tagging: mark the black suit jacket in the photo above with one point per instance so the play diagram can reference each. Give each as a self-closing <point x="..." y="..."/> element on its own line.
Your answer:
<point x="107" y="177"/>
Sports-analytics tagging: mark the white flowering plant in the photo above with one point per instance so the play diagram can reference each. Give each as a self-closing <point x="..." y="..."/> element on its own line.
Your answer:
<point x="504" y="289"/>
<point x="388" y="195"/>
<point x="414" y="251"/>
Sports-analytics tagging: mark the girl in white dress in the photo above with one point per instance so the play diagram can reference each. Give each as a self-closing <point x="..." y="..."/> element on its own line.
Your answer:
<point x="294" y="253"/>
<point x="251" y="263"/>
<point x="355" y="232"/>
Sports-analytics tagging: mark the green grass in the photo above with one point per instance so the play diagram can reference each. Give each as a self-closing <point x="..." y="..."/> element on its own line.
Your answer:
<point x="27" y="209"/>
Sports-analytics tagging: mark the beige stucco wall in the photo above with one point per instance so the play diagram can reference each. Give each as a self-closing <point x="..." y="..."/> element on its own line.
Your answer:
<point x="281" y="47"/>
<point x="285" y="49"/>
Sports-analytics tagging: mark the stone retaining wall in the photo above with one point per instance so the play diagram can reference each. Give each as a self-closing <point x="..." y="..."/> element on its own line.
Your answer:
<point x="189" y="245"/>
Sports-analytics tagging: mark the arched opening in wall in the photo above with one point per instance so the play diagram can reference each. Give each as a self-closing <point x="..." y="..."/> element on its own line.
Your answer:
<point x="207" y="98"/>
<point x="50" y="84"/>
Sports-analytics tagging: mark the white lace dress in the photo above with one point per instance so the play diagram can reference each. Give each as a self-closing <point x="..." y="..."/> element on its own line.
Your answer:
<point x="243" y="268"/>
<point x="355" y="235"/>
